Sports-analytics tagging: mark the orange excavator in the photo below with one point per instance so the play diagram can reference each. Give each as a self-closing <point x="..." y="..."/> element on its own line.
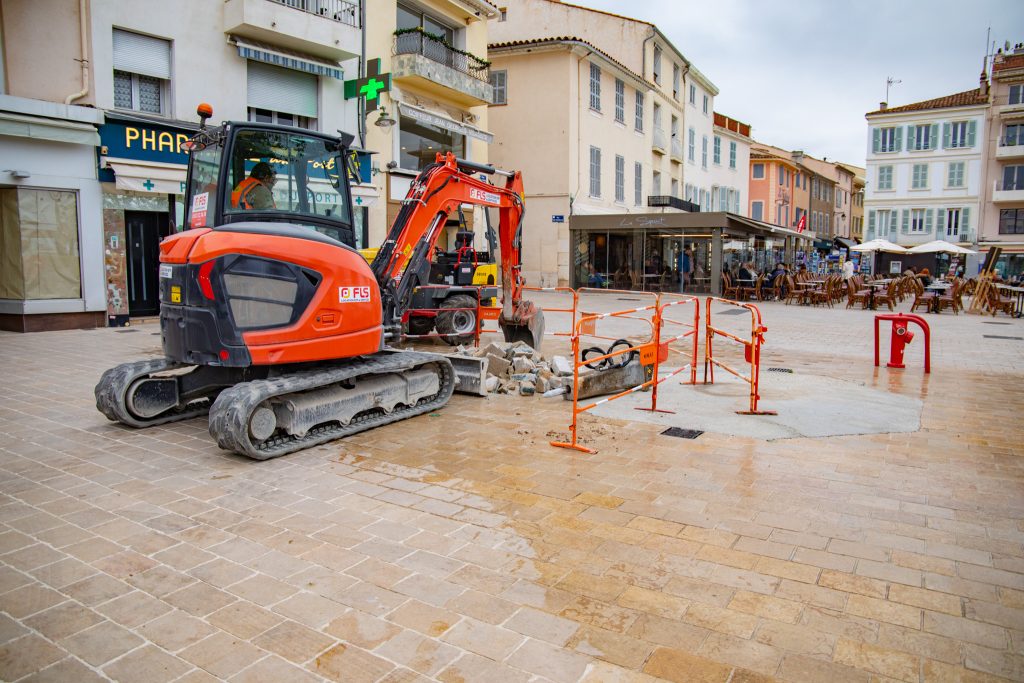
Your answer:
<point x="273" y="323"/>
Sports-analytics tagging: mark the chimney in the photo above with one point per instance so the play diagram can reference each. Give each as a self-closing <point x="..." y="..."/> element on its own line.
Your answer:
<point x="983" y="84"/>
<point x="883" y="105"/>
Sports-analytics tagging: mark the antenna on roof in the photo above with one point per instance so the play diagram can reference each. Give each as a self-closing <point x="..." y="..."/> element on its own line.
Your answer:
<point x="889" y="82"/>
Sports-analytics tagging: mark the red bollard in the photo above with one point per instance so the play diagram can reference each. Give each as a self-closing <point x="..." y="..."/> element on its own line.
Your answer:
<point x="901" y="336"/>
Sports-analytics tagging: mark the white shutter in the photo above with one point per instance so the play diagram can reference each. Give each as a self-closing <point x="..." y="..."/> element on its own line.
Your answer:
<point x="282" y="90"/>
<point x="139" y="54"/>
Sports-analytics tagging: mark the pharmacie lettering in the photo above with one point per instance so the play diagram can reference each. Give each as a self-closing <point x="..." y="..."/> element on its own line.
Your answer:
<point x="152" y="141"/>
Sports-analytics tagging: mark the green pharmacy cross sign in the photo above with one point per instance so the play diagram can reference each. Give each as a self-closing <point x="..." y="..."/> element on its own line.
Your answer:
<point x="369" y="87"/>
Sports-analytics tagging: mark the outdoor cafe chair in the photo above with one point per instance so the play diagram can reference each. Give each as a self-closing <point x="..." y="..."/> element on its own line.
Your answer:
<point x="798" y="294"/>
<point x="854" y="295"/>
<point x="729" y="290"/>
<point x="889" y="298"/>
<point x="922" y="297"/>
<point x="951" y="298"/>
<point x="997" y="302"/>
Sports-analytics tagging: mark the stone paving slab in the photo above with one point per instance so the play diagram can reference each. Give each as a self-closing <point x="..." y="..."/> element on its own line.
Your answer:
<point x="461" y="546"/>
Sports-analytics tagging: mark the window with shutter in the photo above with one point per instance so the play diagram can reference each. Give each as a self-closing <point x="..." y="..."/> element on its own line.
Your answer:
<point x="595" y="172"/>
<point x="620" y="101"/>
<point x="288" y="91"/>
<point x="142" y="72"/>
<point x="499" y="81"/>
<point x="638" y="181"/>
<point x="595" y="87"/>
<point x="620" y="178"/>
<point x="732" y="154"/>
<point x="638" y="119"/>
<point x="905" y="222"/>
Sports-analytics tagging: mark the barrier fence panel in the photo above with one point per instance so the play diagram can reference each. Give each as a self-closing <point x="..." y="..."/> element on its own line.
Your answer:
<point x="574" y="311"/>
<point x="593" y="297"/>
<point x="663" y="343"/>
<point x="461" y="323"/>
<point x="644" y="349"/>
<point x="751" y="352"/>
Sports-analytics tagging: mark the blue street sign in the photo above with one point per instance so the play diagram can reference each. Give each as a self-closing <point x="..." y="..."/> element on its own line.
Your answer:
<point x="557" y="218"/>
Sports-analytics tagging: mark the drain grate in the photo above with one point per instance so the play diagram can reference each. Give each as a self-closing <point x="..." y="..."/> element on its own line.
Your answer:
<point x="787" y="370"/>
<point x="734" y="311"/>
<point x="999" y="336"/>
<point x="124" y="331"/>
<point x="681" y="433"/>
<point x="993" y="322"/>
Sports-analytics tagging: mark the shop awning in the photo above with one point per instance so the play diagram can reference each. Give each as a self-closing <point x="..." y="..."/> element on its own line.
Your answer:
<point x="823" y="244"/>
<point x="844" y="243"/>
<point x="442" y="121"/>
<point x="17" y="125"/>
<point x="279" y="56"/>
<point x="365" y="195"/>
<point x="143" y="177"/>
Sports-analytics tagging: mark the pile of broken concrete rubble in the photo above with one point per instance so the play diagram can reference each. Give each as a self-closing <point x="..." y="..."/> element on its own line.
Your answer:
<point x="517" y="368"/>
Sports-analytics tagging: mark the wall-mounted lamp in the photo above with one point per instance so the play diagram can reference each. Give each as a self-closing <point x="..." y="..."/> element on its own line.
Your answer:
<point x="383" y="120"/>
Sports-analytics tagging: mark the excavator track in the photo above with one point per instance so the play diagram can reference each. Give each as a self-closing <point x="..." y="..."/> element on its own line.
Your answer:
<point x="112" y="394"/>
<point x="232" y="413"/>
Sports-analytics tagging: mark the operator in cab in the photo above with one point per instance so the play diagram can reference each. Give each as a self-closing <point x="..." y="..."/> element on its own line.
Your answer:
<point x="254" y="192"/>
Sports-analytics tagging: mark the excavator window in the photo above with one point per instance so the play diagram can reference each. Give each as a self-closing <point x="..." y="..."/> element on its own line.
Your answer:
<point x="285" y="176"/>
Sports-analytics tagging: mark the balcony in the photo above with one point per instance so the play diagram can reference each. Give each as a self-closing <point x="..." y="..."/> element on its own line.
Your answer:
<point x="671" y="202"/>
<point x="660" y="144"/>
<point x="1010" y="148"/>
<point x="677" y="149"/>
<point x="427" y="63"/>
<point x="328" y="29"/>
<point x="1008" y="191"/>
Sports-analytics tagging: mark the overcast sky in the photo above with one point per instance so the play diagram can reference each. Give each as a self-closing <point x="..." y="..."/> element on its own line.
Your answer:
<point x="804" y="72"/>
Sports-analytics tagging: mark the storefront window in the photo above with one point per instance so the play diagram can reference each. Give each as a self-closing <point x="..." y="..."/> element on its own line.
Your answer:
<point x="420" y="143"/>
<point x="39" y="256"/>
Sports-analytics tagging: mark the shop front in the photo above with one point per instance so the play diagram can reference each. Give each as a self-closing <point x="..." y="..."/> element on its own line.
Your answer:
<point x="684" y="252"/>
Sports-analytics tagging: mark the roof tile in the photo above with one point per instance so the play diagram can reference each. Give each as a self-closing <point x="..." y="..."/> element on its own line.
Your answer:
<point x="960" y="99"/>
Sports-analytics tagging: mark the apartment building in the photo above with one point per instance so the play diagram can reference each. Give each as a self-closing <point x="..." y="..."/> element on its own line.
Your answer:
<point x="730" y="163"/>
<point x="125" y="79"/>
<point x="822" y="189"/>
<point x="604" y="116"/>
<point x="924" y="169"/>
<point x="856" y="201"/>
<point x="1003" y="193"/>
<point x="435" y="52"/>
<point x="773" y="179"/>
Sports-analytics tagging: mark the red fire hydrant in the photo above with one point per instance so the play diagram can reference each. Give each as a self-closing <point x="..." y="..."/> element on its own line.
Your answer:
<point x="901" y="336"/>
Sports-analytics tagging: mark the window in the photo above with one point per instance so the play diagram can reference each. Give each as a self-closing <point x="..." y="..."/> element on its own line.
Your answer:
<point x="1013" y="178"/>
<point x="884" y="223"/>
<point x="657" y="64"/>
<point x="704" y="152"/>
<point x="1011" y="221"/>
<point x="675" y="82"/>
<point x="887" y="139"/>
<point x="689" y="192"/>
<point x="638" y="120"/>
<point x="757" y="171"/>
<point x="957" y="134"/>
<point x="718" y="151"/>
<point x="706" y="99"/>
<point x="917" y="220"/>
<point x="1016" y="94"/>
<point x="638" y="183"/>
<point x="277" y="95"/>
<point x="1014" y="135"/>
<point x="410" y="17"/>
<point x="924" y="137"/>
<point x="692" y="147"/>
<point x="595" y="87"/>
<point x="675" y="188"/>
<point x="620" y="101"/>
<point x="919" y="180"/>
<point x="952" y="222"/>
<point x="757" y="210"/>
<point x="40" y="244"/>
<point x="782" y="175"/>
<point x="142" y="72"/>
<point x="956" y="174"/>
<point x="419" y="142"/>
<point x="620" y="178"/>
<point x="656" y="183"/>
<point x="595" y="172"/>
<point x="693" y="94"/>
<point x="732" y="154"/>
<point x="503" y="14"/>
<point x="885" y="177"/>
<point x="499" y="81"/>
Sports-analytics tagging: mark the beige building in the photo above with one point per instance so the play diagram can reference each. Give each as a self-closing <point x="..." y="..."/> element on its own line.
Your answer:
<point x="856" y="202"/>
<point x="436" y="54"/>
<point x="604" y="116"/>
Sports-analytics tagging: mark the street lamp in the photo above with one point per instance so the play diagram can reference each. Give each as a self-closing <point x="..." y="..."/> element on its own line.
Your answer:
<point x="384" y="121"/>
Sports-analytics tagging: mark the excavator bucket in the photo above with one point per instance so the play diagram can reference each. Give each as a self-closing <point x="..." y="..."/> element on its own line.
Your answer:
<point x="526" y="324"/>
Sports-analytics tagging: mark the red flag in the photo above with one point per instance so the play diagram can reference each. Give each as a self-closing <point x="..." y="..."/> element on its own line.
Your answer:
<point x="801" y="224"/>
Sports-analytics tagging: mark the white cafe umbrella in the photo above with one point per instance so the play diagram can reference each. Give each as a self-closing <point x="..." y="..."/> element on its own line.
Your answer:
<point x="879" y="245"/>
<point x="939" y="246"/>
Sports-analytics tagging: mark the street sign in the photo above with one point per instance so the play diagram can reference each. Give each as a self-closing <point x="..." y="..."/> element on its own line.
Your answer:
<point x="557" y="218"/>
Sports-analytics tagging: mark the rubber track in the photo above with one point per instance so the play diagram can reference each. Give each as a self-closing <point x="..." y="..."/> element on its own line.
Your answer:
<point x="111" y="389"/>
<point x="229" y="416"/>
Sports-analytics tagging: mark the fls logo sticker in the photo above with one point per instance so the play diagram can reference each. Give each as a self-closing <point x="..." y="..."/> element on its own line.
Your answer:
<point x="351" y="295"/>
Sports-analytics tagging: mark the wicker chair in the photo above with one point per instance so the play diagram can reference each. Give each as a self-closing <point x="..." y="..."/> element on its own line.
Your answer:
<point x="794" y="293"/>
<point x="997" y="302"/>
<point x="853" y="295"/>
<point x="889" y="298"/>
<point x="952" y="298"/>
<point x="922" y="297"/>
<point x="729" y="290"/>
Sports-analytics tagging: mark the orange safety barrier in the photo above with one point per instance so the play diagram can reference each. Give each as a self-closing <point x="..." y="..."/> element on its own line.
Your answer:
<point x="482" y="313"/>
<point x="751" y="352"/>
<point x="573" y="310"/>
<point x="584" y="291"/>
<point x="653" y="352"/>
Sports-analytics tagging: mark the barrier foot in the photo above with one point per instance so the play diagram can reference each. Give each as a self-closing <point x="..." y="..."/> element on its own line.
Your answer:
<point x="573" y="446"/>
<point x="757" y="412"/>
<point x="657" y="410"/>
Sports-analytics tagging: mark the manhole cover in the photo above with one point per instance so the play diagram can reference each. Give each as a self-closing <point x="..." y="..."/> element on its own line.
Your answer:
<point x="780" y="370"/>
<point x="733" y="311"/>
<point x="999" y="336"/>
<point x="123" y="331"/>
<point x="993" y="322"/>
<point x="681" y="433"/>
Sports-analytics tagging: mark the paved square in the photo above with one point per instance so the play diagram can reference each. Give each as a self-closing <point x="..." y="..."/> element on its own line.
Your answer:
<point x="461" y="546"/>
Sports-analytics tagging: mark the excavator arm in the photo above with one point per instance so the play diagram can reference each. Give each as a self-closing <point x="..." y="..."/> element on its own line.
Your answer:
<point x="402" y="263"/>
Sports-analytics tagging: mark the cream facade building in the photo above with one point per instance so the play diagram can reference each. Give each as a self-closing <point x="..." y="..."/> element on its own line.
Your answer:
<point x="729" y="165"/>
<point x="596" y="113"/>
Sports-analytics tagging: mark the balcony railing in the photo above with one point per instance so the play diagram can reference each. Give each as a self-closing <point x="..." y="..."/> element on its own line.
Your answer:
<point x="672" y="202"/>
<point x="659" y="139"/>
<point x="1011" y="140"/>
<point x="1009" y="185"/>
<point x="421" y="43"/>
<point x="337" y="10"/>
<point x="677" y="148"/>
